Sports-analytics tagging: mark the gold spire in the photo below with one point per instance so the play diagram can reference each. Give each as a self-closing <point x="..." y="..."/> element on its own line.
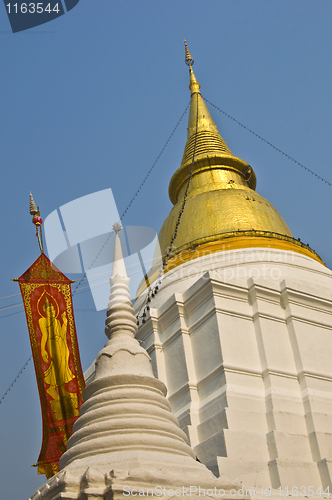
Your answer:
<point x="209" y="147"/>
<point x="222" y="202"/>
<point x="222" y="209"/>
<point x="194" y="85"/>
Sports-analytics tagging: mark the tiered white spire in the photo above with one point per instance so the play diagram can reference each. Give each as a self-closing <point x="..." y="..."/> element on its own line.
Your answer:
<point x="120" y="314"/>
<point x="126" y="435"/>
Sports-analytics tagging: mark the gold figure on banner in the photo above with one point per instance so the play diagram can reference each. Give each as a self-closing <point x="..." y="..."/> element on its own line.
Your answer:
<point x="58" y="373"/>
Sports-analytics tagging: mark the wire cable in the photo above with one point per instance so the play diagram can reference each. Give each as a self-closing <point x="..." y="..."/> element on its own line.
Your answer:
<point x="123" y="215"/>
<point x="141" y="186"/>
<point x="152" y="292"/>
<point x="11" y="307"/>
<point x="16" y="378"/>
<point x="8" y="296"/>
<point x="137" y="192"/>
<point x="269" y="143"/>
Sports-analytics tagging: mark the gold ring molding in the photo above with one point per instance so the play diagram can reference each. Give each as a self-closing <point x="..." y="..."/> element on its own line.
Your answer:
<point x="235" y="240"/>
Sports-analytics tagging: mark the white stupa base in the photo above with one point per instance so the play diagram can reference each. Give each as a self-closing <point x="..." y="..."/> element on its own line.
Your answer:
<point x="124" y="474"/>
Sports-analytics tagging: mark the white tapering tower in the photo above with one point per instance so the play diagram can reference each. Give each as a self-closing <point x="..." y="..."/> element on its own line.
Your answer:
<point x="126" y="438"/>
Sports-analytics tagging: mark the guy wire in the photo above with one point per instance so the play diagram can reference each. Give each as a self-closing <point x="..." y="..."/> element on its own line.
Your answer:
<point x="152" y="292"/>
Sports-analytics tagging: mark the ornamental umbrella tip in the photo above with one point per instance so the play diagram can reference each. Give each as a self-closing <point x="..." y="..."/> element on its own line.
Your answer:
<point x="188" y="57"/>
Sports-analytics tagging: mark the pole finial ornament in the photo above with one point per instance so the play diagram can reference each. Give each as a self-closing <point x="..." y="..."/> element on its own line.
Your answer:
<point x="37" y="221"/>
<point x="188" y="57"/>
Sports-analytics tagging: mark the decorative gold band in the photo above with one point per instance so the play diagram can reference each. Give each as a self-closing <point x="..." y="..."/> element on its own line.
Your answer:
<point x="230" y="241"/>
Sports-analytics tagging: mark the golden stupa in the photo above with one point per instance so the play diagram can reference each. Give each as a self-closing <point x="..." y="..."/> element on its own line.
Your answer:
<point x="222" y="209"/>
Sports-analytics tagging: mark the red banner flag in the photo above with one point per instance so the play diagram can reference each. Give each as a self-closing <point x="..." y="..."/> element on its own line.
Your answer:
<point x="48" y="306"/>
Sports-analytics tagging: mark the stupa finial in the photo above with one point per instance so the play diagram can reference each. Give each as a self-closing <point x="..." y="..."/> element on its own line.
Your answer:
<point x="188" y="57"/>
<point x="119" y="268"/>
<point x="117" y="227"/>
<point x="120" y="314"/>
<point x="194" y="85"/>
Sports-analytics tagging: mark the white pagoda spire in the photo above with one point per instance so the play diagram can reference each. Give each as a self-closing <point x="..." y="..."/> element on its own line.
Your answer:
<point x="126" y="437"/>
<point x="120" y="314"/>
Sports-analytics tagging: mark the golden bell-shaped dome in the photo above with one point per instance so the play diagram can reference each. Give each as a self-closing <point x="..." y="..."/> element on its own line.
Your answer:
<point x="222" y="211"/>
<point x="221" y="198"/>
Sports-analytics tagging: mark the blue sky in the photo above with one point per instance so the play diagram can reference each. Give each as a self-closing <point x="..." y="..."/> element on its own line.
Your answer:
<point x="87" y="103"/>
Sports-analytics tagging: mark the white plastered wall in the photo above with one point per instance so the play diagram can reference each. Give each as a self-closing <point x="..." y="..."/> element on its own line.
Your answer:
<point x="243" y="342"/>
